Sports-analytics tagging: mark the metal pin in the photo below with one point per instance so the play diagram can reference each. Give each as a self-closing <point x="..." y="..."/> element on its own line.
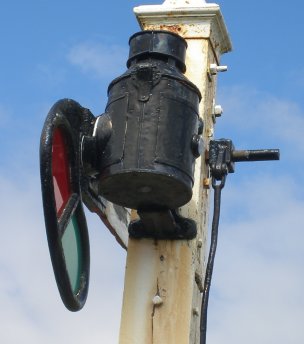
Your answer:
<point x="157" y="300"/>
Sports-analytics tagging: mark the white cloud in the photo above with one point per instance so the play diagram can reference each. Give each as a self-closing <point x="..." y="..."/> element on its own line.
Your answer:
<point x="99" y="60"/>
<point x="31" y="309"/>
<point x="258" y="116"/>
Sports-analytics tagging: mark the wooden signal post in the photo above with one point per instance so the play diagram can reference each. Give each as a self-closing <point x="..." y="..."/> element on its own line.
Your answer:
<point x="164" y="279"/>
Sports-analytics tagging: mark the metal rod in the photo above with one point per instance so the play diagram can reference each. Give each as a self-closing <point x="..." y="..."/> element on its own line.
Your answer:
<point x="255" y="155"/>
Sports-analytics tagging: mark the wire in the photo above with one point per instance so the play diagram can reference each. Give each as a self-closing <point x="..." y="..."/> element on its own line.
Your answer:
<point x="212" y="251"/>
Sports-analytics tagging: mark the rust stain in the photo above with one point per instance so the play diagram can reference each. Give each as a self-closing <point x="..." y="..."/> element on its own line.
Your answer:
<point x="175" y="28"/>
<point x="172" y="28"/>
<point x="134" y="215"/>
<point x="206" y="183"/>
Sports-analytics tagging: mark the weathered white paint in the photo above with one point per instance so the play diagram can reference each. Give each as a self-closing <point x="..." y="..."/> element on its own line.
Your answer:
<point x="173" y="270"/>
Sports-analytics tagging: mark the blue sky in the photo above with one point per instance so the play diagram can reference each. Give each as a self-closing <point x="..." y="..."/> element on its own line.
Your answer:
<point x="56" y="49"/>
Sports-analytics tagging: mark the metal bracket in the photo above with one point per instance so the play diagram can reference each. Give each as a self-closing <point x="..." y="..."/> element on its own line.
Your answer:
<point x="163" y="224"/>
<point x="222" y="157"/>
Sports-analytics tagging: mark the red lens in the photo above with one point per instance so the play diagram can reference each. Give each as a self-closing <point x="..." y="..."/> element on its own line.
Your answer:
<point x="60" y="170"/>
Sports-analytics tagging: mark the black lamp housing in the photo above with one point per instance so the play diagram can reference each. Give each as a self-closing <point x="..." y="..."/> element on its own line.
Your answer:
<point x="139" y="154"/>
<point x="148" y="159"/>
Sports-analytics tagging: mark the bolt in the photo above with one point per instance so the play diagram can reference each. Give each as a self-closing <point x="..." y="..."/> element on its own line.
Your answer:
<point x="218" y="110"/>
<point x="199" y="243"/>
<point x="214" y="69"/>
<point x="206" y="183"/>
<point x="157" y="300"/>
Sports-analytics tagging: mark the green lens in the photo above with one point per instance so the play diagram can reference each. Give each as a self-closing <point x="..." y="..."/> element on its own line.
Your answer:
<point x="72" y="253"/>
